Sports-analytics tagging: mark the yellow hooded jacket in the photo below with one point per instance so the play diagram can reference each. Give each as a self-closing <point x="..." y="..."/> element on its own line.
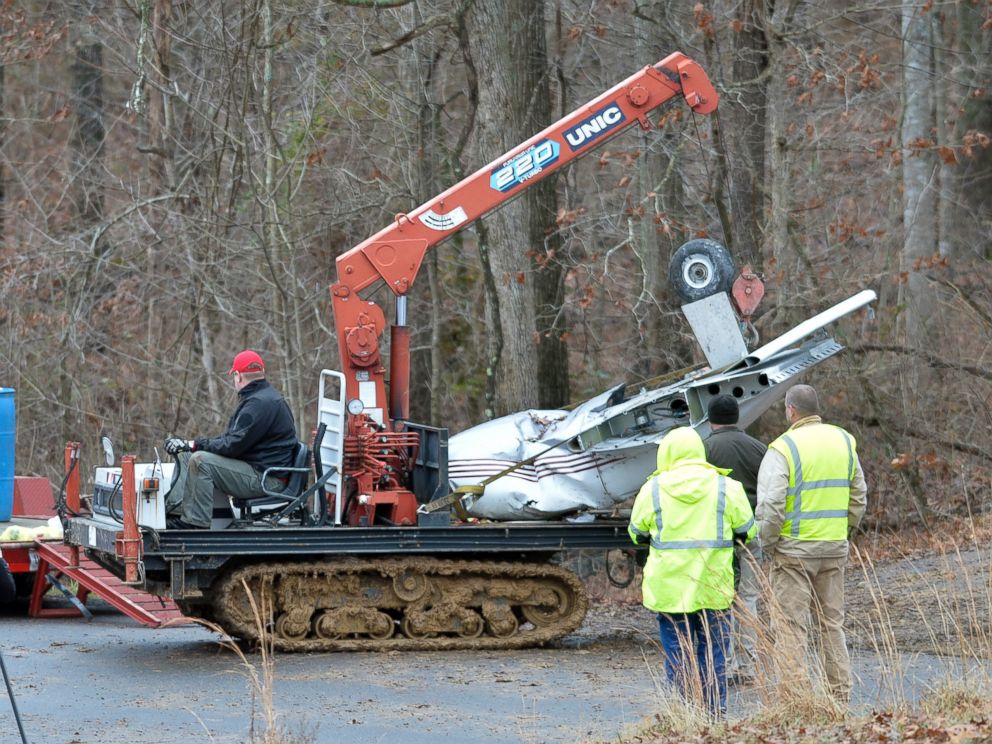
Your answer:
<point x="691" y="512"/>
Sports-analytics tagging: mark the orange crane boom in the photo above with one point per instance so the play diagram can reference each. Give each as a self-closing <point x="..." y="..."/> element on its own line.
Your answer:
<point x="394" y="256"/>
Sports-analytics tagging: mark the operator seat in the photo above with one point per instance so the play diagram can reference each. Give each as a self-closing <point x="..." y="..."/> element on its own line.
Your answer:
<point x="250" y="510"/>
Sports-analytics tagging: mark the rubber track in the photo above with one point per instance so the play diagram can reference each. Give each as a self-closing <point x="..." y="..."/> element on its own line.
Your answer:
<point x="230" y="594"/>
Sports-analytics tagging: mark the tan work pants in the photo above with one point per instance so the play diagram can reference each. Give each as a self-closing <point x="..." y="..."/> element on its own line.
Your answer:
<point x="805" y="586"/>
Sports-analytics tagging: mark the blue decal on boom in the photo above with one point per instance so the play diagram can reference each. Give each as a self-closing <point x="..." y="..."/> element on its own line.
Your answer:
<point x="595" y="126"/>
<point x="524" y="166"/>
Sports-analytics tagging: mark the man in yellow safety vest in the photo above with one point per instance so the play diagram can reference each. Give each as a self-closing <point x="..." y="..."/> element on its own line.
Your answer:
<point x="691" y="513"/>
<point x="811" y="495"/>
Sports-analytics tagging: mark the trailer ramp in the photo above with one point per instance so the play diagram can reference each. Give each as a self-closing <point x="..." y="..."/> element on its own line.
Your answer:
<point x="56" y="560"/>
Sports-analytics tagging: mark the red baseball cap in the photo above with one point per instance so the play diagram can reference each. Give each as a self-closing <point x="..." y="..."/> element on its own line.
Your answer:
<point x="247" y="361"/>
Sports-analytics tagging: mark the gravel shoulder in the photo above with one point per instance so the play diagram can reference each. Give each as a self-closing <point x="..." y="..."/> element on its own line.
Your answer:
<point x="929" y="604"/>
<point x="111" y="679"/>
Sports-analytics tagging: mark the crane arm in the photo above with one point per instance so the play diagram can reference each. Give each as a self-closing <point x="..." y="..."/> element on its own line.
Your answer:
<point x="394" y="254"/>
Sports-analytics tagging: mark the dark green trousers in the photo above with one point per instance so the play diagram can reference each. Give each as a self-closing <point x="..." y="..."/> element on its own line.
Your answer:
<point x="202" y="474"/>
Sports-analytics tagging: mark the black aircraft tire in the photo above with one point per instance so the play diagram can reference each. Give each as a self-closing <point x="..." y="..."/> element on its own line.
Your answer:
<point x="701" y="268"/>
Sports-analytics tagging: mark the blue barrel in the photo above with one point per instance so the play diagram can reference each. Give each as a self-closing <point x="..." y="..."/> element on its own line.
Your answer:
<point x="8" y="426"/>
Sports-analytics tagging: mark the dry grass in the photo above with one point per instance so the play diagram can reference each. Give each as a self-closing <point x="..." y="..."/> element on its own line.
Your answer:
<point x="874" y="729"/>
<point x="264" y="726"/>
<point x="915" y="541"/>
<point x="923" y="593"/>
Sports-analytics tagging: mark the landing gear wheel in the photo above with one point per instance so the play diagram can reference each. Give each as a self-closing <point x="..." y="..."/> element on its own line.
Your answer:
<point x="701" y="268"/>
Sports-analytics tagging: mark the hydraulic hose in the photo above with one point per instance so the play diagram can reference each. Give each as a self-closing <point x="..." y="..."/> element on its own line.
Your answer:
<point x="319" y="471"/>
<point x="61" y="503"/>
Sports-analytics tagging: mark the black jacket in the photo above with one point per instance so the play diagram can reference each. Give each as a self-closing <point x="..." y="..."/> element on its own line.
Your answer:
<point x="261" y="432"/>
<point x="8" y="590"/>
<point x="742" y="453"/>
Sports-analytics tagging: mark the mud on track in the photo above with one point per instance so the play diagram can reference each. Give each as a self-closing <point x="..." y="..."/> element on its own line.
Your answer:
<point x="436" y="605"/>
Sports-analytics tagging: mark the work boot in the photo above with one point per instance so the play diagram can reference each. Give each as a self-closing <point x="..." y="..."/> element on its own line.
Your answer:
<point x="740" y="678"/>
<point x="178" y="523"/>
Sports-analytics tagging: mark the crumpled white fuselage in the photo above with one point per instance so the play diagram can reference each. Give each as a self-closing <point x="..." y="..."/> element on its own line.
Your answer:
<point x="600" y="453"/>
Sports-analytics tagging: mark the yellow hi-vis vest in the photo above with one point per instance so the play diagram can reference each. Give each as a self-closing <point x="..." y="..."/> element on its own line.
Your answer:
<point x="691" y="532"/>
<point x="821" y="461"/>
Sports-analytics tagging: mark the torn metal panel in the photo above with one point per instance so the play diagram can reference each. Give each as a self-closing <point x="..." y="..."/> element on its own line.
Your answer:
<point x="600" y="453"/>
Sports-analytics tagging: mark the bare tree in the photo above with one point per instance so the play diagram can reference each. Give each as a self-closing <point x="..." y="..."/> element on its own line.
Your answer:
<point x="514" y="104"/>
<point x="920" y="170"/>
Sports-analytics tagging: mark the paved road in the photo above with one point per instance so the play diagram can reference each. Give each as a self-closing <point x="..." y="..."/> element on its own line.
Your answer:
<point x="112" y="680"/>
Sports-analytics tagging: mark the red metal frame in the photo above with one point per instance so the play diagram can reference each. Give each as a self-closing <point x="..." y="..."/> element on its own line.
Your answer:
<point x="72" y="482"/>
<point x="394" y="255"/>
<point x="128" y="542"/>
<point x="18" y="556"/>
<point x="62" y="566"/>
<point x="65" y="560"/>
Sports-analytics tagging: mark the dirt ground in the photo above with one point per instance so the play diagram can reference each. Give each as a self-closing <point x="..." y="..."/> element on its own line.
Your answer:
<point x="927" y="601"/>
<point x="110" y="679"/>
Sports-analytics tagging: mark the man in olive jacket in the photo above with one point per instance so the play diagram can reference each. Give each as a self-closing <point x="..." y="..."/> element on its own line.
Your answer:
<point x="690" y="513"/>
<point x="811" y="495"/>
<point x="730" y="447"/>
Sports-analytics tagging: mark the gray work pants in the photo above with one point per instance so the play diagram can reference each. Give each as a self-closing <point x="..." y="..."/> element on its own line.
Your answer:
<point x="744" y="625"/>
<point x="202" y="474"/>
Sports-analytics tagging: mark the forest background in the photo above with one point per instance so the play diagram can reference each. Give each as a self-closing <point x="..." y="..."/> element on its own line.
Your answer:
<point x="178" y="178"/>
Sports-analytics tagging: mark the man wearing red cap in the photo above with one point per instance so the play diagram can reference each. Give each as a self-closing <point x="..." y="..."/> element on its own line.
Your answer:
<point x="261" y="434"/>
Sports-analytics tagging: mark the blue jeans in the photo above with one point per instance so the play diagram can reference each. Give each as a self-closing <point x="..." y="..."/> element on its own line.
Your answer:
<point x="697" y="641"/>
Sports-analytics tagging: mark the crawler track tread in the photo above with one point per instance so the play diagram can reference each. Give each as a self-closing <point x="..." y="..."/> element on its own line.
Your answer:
<point x="503" y="592"/>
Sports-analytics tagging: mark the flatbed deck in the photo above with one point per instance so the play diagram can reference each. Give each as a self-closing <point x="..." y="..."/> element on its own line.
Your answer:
<point x="184" y="562"/>
<point x="502" y="537"/>
<point x="20" y="554"/>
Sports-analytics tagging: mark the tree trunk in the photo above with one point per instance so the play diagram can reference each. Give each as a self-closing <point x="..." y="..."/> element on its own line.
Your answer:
<point x="86" y="188"/>
<point x="513" y="105"/>
<point x="87" y="142"/>
<point x="156" y="126"/>
<point x="779" y="172"/>
<point x="661" y="345"/>
<point x="745" y="111"/>
<point x="549" y="285"/>
<point x="919" y="172"/>
<point x="966" y="181"/>
<point x="425" y="178"/>
<point x="920" y="181"/>
<point x="3" y="174"/>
